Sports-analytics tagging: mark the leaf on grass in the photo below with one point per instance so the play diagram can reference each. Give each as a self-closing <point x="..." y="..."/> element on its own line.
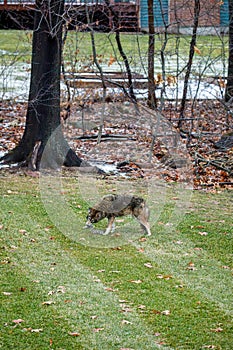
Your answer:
<point x="94" y="317"/>
<point x="18" y="321"/>
<point x="191" y="266"/>
<point x="96" y="330"/>
<point x="49" y="302"/>
<point x="217" y="330"/>
<point x="51" y="292"/>
<point x="126" y="322"/>
<point x="156" y="312"/>
<point x="125" y="308"/>
<point x="74" y="334"/>
<point x="203" y="233"/>
<point x="141" y="307"/>
<point x="143" y="239"/>
<point x="178" y="242"/>
<point x="141" y="250"/>
<point x="61" y="289"/>
<point x="165" y="277"/>
<point x="148" y="265"/>
<point x="196" y="50"/>
<point x="23" y="232"/>
<point x="111" y="60"/>
<point x="136" y="281"/>
<point x="37" y="330"/>
<point x="166" y="312"/>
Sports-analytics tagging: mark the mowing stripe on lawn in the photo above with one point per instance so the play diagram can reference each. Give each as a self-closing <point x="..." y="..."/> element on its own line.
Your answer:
<point x="98" y="319"/>
<point x="196" y="268"/>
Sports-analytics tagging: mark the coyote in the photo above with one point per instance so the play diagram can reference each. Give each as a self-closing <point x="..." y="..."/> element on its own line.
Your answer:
<point x="112" y="206"/>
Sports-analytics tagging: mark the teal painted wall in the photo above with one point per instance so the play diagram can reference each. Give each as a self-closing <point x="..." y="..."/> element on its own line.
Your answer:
<point x="157" y="13"/>
<point x="224" y="14"/>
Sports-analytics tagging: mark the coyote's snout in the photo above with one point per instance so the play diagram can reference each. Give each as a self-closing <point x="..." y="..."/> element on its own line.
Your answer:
<point x="112" y="206"/>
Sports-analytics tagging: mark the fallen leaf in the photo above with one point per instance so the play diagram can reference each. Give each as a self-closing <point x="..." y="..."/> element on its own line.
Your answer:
<point x="178" y="242"/>
<point x="203" y="233"/>
<point x="23" y="232"/>
<point x="191" y="266"/>
<point x="109" y="289"/>
<point x="74" y="334"/>
<point x="197" y="50"/>
<point x="217" y="330"/>
<point x="38" y="330"/>
<point x="141" y="250"/>
<point x="111" y="60"/>
<point x="94" y="317"/>
<point x="49" y="302"/>
<point x="166" y="312"/>
<point x="126" y="322"/>
<point x="156" y="312"/>
<point x="125" y="308"/>
<point x="18" y="321"/>
<point x="165" y="277"/>
<point x="141" y="307"/>
<point x="136" y="281"/>
<point x="96" y="330"/>
<point x="148" y="265"/>
<point x="61" y="289"/>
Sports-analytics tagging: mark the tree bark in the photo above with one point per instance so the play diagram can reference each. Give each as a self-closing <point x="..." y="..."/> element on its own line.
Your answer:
<point x="152" y="102"/>
<point x="190" y="60"/>
<point x="229" y="87"/>
<point x="43" y="123"/>
<point x="116" y="24"/>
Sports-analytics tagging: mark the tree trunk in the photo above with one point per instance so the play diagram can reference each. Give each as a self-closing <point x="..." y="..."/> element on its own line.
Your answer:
<point x="152" y="102"/>
<point x="116" y="25"/>
<point x="190" y="60"/>
<point x="43" y="113"/>
<point x="229" y="87"/>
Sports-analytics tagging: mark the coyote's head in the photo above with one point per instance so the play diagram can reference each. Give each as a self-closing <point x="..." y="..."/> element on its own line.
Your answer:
<point x="94" y="216"/>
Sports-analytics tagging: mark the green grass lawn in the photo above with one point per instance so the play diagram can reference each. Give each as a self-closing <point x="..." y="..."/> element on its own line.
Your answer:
<point x="78" y="45"/>
<point x="170" y="291"/>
